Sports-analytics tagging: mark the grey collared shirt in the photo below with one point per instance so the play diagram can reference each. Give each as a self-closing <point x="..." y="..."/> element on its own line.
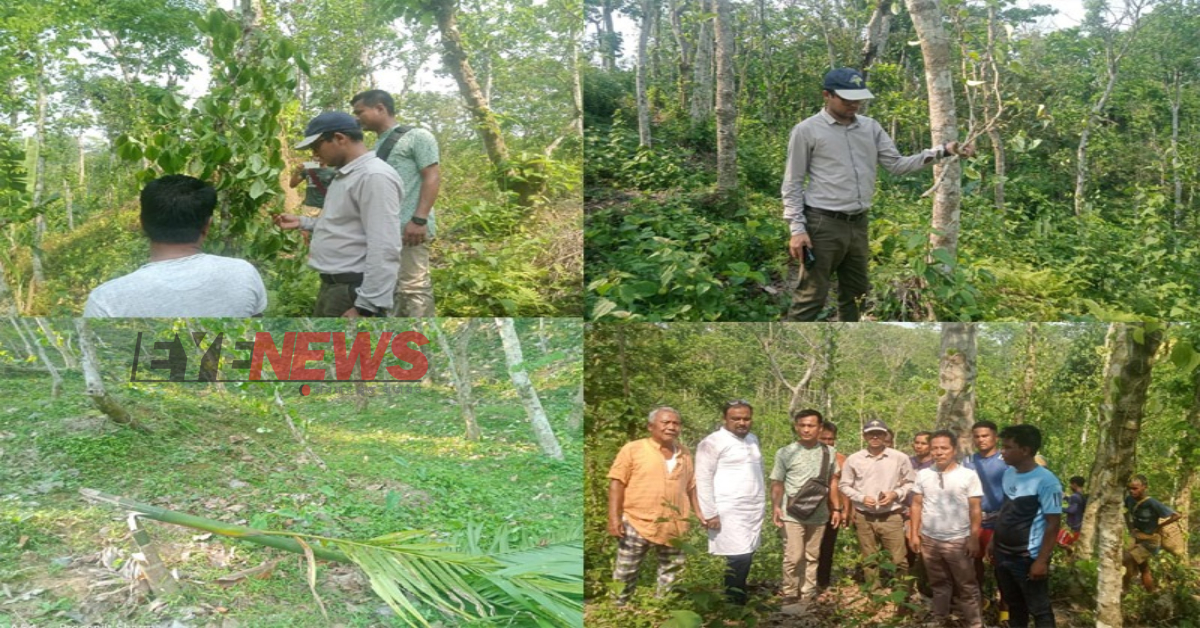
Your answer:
<point x="839" y="163"/>
<point x="359" y="229"/>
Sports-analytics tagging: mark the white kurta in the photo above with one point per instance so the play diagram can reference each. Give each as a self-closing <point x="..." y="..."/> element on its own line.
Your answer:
<point x="729" y="483"/>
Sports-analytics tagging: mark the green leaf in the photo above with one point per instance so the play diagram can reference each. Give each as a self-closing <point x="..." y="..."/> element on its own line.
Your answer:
<point x="943" y="256"/>
<point x="603" y="307"/>
<point x="257" y="189"/>
<point x="684" y="619"/>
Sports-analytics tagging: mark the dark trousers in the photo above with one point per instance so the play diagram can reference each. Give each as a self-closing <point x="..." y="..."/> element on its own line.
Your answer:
<point x="840" y="247"/>
<point x="825" y="562"/>
<point x="1024" y="597"/>
<point x="335" y="298"/>
<point x="737" y="570"/>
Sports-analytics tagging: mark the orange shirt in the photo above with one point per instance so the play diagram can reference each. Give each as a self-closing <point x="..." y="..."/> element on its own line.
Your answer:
<point x="656" y="502"/>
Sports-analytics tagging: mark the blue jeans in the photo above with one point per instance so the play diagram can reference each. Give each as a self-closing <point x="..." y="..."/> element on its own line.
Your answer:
<point x="1025" y="597"/>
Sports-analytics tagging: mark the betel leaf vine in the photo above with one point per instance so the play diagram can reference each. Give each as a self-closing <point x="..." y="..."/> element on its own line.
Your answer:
<point x="233" y="135"/>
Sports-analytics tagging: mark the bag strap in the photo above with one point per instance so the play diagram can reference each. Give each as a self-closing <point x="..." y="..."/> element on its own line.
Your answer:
<point x="824" y="463"/>
<point x="315" y="179"/>
<point x="384" y="150"/>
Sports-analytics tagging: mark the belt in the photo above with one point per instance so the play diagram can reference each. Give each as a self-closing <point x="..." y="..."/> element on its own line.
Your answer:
<point x="881" y="516"/>
<point x="837" y="215"/>
<point x="350" y="278"/>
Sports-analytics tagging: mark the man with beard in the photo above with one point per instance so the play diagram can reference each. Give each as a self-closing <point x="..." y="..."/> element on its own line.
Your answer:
<point x="731" y="496"/>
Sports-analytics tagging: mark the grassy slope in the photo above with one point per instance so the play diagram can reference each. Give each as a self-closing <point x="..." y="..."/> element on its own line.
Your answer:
<point x="400" y="465"/>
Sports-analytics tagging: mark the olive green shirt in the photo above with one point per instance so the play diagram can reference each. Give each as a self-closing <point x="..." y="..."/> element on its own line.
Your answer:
<point x="414" y="151"/>
<point x="796" y="464"/>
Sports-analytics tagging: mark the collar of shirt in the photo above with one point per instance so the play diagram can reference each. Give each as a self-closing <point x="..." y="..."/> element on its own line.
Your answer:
<point x="830" y="120"/>
<point x="356" y="164"/>
<point x="882" y="454"/>
<point x="383" y="136"/>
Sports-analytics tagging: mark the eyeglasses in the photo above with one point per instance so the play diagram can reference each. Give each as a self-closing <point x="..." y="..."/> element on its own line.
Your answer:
<point x="876" y="435"/>
<point x="735" y="403"/>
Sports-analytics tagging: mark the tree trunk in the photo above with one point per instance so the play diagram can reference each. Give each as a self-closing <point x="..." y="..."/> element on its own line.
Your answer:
<point x="956" y="379"/>
<point x="878" y="30"/>
<point x="702" y="81"/>
<point x="575" y="421"/>
<point x="992" y="105"/>
<point x="643" y="100"/>
<point x="829" y="332"/>
<point x="55" y="378"/>
<point x="39" y="176"/>
<point x="455" y="58"/>
<point x="608" y="38"/>
<point x="1190" y="464"/>
<point x="59" y="344"/>
<point x="95" y="383"/>
<point x="1112" y="66"/>
<point x="726" y="111"/>
<point x="529" y="396"/>
<point x="1030" y="373"/>
<point x="576" y="87"/>
<point x="1176" y="101"/>
<point x="460" y="372"/>
<point x="1126" y="380"/>
<point x="68" y="201"/>
<point x="82" y="167"/>
<point x="935" y="46"/>
<point x="677" y="8"/>
<point x="799" y="390"/>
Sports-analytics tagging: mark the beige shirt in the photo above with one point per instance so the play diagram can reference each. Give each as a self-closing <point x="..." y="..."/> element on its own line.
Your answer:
<point x="656" y="500"/>
<point x="865" y="475"/>
<point x="359" y="229"/>
<point x="839" y="163"/>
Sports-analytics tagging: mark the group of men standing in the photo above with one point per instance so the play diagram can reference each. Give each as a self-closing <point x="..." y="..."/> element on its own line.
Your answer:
<point x="369" y="243"/>
<point x="997" y="504"/>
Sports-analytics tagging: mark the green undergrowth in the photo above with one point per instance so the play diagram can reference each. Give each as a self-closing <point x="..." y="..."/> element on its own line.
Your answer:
<point x="402" y="464"/>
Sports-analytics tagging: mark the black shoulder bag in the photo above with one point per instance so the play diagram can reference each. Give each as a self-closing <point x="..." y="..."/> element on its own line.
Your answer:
<point x="805" y="502"/>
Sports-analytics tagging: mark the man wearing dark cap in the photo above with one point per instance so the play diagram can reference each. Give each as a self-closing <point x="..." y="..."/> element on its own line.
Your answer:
<point x="181" y="280"/>
<point x="356" y="239"/>
<point x="828" y="185"/>
<point x="876" y="480"/>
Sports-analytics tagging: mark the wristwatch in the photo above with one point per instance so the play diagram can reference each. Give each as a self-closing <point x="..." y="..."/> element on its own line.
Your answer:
<point x="420" y="222"/>
<point x="364" y="312"/>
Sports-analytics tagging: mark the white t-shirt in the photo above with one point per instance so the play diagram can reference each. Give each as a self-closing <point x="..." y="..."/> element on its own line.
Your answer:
<point x="206" y="286"/>
<point x="945" y="505"/>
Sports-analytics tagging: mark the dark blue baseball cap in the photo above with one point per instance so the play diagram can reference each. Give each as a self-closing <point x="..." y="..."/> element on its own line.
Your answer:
<point x="327" y="122"/>
<point x="875" y="425"/>
<point x="847" y="83"/>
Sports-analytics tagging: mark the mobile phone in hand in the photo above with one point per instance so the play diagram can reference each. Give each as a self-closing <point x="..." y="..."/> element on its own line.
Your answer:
<point x="809" y="258"/>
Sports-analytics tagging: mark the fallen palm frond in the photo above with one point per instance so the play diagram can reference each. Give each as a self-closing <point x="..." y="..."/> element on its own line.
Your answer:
<point x="541" y="586"/>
